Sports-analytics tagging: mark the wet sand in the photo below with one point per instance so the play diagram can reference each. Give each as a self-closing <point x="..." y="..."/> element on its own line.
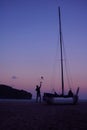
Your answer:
<point x="26" y="115"/>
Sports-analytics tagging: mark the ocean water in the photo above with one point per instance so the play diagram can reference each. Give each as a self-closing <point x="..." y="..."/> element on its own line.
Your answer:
<point x="17" y="100"/>
<point x="30" y="100"/>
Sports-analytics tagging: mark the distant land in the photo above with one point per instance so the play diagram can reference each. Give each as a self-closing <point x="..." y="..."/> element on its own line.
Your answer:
<point x="8" y="92"/>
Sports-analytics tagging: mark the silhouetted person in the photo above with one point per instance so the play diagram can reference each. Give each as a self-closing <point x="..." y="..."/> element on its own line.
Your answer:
<point x="55" y="93"/>
<point x="38" y="93"/>
<point x="70" y="93"/>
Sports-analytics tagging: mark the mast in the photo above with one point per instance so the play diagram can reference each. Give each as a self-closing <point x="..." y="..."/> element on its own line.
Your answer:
<point x="61" y="52"/>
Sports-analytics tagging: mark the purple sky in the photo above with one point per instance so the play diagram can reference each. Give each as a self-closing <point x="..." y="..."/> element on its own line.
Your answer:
<point x="29" y="40"/>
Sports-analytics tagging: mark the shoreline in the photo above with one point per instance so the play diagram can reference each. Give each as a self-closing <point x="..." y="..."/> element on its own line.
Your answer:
<point x="32" y="100"/>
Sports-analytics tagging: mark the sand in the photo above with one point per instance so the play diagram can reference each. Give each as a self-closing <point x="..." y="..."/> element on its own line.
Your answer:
<point x="26" y="115"/>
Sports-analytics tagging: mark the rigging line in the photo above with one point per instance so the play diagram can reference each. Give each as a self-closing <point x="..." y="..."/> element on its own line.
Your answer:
<point x="68" y="74"/>
<point x="67" y="67"/>
<point x="62" y="54"/>
<point x="54" y="72"/>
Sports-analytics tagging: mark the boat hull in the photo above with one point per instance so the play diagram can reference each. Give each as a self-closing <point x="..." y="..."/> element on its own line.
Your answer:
<point x="50" y="98"/>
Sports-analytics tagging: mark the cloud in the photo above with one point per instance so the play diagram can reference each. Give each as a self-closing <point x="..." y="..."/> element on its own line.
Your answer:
<point x="14" y="77"/>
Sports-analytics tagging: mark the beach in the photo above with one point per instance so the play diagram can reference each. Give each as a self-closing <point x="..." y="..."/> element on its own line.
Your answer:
<point x="29" y="115"/>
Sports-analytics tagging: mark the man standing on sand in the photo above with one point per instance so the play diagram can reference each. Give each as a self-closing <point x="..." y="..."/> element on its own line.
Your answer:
<point x="38" y="93"/>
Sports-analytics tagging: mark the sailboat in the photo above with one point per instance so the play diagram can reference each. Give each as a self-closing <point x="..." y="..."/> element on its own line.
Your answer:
<point x="70" y="98"/>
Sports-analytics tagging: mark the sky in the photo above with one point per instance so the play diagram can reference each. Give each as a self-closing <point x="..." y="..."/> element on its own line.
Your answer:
<point x="29" y="44"/>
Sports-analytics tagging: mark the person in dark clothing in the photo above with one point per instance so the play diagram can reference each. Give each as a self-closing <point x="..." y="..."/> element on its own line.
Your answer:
<point x="70" y="93"/>
<point x="38" y="93"/>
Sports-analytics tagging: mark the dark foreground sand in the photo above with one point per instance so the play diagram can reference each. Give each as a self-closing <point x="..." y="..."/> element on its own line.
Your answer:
<point x="25" y="115"/>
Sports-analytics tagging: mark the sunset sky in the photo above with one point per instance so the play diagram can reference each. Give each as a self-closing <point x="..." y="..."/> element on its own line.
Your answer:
<point x="29" y="43"/>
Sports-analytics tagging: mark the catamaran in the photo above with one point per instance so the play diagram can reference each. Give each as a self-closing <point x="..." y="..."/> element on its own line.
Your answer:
<point x="54" y="98"/>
